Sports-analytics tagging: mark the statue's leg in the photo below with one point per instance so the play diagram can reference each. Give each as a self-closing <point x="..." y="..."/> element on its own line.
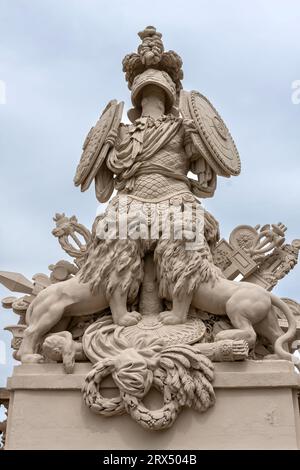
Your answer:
<point x="243" y="331"/>
<point x="269" y="328"/>
<point x="116" y="265"/>
<point x="49" y="307"/>
<point x="179" y="272"/>
<point x="179" y="312"/>
<point x="215" y="300"/>
<point x="118" y="305"/>
<point x="245" y="308"/>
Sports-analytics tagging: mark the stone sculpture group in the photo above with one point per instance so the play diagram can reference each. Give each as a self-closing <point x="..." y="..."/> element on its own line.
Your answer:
<point x="151" y="297"/>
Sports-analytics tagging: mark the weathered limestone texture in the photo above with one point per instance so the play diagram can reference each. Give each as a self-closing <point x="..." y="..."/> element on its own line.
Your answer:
<point x="256" y="408"/>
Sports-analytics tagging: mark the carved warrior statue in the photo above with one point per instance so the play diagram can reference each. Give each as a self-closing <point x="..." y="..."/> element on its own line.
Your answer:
<point x="143" y="297"/>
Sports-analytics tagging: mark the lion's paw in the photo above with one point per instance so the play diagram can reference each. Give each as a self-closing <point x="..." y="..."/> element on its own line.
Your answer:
<point x="169" y="317"/>
<point x="32" y="358"/>
<point x="129" y="319"/>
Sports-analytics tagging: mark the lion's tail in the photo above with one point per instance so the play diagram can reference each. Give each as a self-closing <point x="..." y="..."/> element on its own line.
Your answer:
<point x="289" y="334"/>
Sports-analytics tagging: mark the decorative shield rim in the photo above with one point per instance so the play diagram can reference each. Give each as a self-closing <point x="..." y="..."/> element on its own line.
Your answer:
<point x="223" y="133"/>
<point x="89" y="155"/>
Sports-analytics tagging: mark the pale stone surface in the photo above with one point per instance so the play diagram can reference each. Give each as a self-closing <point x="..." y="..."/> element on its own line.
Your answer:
<point x="151" y="297"/>
<point x="256" y="408"/>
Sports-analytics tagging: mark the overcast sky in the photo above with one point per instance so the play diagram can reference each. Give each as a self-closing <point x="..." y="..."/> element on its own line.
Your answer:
<point x="61" y="64"/>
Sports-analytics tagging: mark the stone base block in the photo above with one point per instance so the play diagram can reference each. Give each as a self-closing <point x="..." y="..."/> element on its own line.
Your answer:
<point x="256" y="408"/>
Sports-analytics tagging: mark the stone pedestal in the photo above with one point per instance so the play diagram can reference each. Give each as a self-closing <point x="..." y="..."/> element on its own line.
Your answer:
<point x="256" y="408"/>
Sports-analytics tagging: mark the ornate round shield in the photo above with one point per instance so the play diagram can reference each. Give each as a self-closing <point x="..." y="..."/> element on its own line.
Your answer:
<point x="214" y="133"/>
<point x="94" y="142"/>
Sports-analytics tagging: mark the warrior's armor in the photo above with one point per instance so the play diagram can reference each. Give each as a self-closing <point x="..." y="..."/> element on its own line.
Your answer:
<point x="151" y="159"/>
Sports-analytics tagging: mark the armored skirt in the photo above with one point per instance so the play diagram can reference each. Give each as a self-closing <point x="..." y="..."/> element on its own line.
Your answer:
<point x="176" y="230"/>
